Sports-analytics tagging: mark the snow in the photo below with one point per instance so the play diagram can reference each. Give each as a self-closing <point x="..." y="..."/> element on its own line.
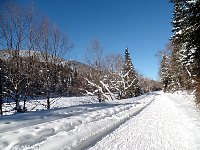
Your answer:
<point x="192" y="1"/>
<point x="162" y="125"/>
<point x="152" y="121"/>
<point x="57" y="102"/>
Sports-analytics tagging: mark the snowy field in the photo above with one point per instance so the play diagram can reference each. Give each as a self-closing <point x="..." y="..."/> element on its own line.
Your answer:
<point x="155" y="121"/>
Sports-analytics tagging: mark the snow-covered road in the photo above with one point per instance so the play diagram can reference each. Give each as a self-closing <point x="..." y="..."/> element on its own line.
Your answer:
<point x="152" y="121"/>
<point x="161" y="126"/>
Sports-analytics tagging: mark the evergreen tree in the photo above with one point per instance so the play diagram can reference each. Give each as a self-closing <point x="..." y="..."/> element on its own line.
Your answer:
<point x="131" y="86"/>
<point x="177" y="73"/>
<point x="186" y="29"/>
<point x="186" y="20"/>
<point x="164" y="72"/>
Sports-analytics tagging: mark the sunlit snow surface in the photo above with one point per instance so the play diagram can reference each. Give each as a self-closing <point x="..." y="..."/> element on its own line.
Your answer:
<point x="152" y="121"/>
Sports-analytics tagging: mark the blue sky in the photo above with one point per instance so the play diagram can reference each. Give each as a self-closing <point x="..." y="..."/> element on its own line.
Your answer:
<point x="144" y="26"/>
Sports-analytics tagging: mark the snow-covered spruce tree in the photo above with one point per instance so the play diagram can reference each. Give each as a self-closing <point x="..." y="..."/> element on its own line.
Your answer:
<point x="164" y="72"/>
<point x="181" y="31"/>
<point x="172" y="69"/>
<point x="186" y="28"/>
<point x="130" y="85"/>
<point x="179" y="76"/>
<point x="194" y="42"/>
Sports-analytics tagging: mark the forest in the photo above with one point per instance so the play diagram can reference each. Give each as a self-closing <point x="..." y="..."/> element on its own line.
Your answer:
<point x="33" y="63"/>
<point x="180" y="63"/>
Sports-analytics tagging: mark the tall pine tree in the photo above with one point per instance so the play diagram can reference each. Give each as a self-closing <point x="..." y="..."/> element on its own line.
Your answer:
<point x="130" y="78"/>
<point x="164" y="72"/>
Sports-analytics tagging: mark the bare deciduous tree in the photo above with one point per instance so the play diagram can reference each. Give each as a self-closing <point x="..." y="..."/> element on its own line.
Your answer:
<point x="94" y="54"/>
<point x="21" y="28"/>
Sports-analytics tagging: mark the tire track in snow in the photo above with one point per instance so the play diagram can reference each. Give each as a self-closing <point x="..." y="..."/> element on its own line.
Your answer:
<point x="99" y="135"/>
<point x="40" y="118"/>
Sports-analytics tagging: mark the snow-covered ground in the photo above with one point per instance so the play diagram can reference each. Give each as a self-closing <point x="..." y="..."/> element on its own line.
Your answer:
<point x="35" y="104"/>
<point x="170" y="122"/>
<point x="152" y="121"/>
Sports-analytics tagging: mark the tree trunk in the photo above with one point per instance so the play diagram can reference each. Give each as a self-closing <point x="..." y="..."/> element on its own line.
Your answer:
<point x="48" y="103"/>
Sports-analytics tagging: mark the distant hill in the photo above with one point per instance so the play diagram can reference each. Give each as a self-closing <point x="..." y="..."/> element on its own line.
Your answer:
<point x="81" y="67"/>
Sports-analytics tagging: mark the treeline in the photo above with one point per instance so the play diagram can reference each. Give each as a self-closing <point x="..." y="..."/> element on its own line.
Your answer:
<point x="114" y="76"/>
<point x="23" y="77"/>
<point x="180" y="64"/>
<point x="35" y="71"/>
<point x="32" y="63"/>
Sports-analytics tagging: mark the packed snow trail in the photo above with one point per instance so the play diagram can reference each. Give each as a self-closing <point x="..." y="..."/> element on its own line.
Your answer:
<point x="161" y="126"/>
<point x="74" y="127"/>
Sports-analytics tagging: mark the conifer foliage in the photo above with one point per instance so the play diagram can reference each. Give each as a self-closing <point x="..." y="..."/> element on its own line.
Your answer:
<point x="131" y="86"/>
<point x="184" y="65"/>
<point x="164" y="71"/>
<point x="186" y="23"/>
